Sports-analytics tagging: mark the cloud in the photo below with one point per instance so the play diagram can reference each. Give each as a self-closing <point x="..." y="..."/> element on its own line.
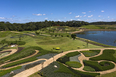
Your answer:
<point x="89" y="11"/>
<point x="84" y="15"/>
<point x="38" y="14"/>
<point x="90" y="16"/>
<point x="99" y="16"/>
<point x="71" y="19"/>
<point x="46" y="18"/>
<point x="102" y="11"/>
<point x="84" y="12"/>
<point x="77" y="16"/>
<point x="70" y="13"/>
<point x="2" y="17"/>
<point x="108" y="16"/>
<point x="59" y="20"/>
<point x="44" y="14"/>
<point x="78" y="19"/>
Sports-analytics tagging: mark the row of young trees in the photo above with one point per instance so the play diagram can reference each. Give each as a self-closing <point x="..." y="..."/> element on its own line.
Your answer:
<point x="31" y="26"/>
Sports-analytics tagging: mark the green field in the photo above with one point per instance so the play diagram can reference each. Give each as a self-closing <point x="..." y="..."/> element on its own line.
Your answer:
<point x="46" y="42"/>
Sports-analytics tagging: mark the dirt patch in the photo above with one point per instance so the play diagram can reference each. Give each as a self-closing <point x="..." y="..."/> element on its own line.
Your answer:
<point x="19" y="49"/>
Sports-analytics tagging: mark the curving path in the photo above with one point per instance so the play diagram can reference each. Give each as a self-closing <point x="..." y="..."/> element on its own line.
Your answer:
<point x="12" y="52"/>
<point x="32" y="70"/>
<point x="19" y="60"/>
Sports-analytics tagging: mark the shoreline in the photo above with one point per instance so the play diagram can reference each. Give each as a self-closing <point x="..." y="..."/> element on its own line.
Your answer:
<point x="82" y="30"/>
<point x="91" y="41"/>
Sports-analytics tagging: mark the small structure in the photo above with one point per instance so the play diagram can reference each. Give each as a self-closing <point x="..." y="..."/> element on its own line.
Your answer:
<point x="12" y="72"/>
<point x="55" y="66"/>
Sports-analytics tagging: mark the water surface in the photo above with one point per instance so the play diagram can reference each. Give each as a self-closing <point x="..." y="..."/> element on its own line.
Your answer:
<point x="105" y="37"/>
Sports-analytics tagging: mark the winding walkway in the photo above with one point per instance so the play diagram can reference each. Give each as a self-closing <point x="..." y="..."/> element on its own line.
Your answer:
<point x="19" y="60"/>
<point x="12" y="52"/>
<point x="32" y="70"/>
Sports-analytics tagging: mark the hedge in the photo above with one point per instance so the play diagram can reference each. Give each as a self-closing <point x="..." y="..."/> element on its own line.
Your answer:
<point x="99" y="66"/>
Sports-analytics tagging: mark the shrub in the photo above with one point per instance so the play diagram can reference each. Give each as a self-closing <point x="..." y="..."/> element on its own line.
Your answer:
<point x="88" y="68"/>
<point x="57" y="48"/>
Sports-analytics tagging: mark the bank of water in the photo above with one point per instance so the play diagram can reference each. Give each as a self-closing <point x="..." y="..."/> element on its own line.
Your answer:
<point x="104" y="37"/>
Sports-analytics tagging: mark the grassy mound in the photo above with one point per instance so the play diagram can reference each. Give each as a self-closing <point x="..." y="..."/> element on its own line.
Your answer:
<point x="3" y="72"/>
<point x="90" y="53"/>
<point x="88" y="68"/>
<point x="73" y="64"/>
<point x="107" y="55"/>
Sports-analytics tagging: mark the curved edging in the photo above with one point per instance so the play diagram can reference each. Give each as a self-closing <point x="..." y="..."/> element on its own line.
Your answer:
<point x="32" y="70"/>
<point x="12" y="51"/>
<point x="19" y="60"/>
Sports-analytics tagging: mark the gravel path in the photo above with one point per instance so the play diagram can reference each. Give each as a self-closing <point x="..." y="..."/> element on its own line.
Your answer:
<point x="31" y="71"/>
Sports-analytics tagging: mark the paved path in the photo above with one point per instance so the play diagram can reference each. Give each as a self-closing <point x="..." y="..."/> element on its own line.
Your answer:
<point x="19" y="60"/>
<point x="32" y="70"/>
<point x="12" y="51"/>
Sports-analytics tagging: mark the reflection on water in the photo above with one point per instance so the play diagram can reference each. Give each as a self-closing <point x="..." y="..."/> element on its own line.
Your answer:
<point x="105" y="37"/>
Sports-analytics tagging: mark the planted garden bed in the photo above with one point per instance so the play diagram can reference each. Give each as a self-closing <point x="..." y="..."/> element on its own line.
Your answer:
<point x="99" y="66"/>
<point x="107" y="55"/>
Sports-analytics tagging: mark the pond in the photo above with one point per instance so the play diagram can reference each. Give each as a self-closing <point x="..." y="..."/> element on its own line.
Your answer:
<point x="104" y="37"/>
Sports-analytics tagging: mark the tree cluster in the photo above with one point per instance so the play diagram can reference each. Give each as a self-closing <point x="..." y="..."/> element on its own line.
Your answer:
<point x="32" y="26"/>
<point x="103" y="23"/>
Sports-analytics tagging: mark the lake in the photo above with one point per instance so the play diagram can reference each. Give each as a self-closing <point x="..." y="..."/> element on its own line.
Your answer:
<point x="105" y="37"/>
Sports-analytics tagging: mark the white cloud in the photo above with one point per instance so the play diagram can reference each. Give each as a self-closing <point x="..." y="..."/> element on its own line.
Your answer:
<point x="64" y="17"/>
<point x="51" y="13"/>
<point x="59" y="20"/>
<point x="38" y="14"/>
<point x="2" y="17"/>
<point x="78" y="19"/>
<point x="46" y="18"/>
<point x="102" y="11"/>
<point x="89" y="11"/>
<point x="90" y="16"/>
<point x="70" y="13"/>
<point x="84" y="12"/>
<point x="71" y="19"/>
<point x="99" y="16"/>
<point x="77" y="16"/>
<point x="108" y="16"/>
<point x="44" y="14"/>
<point x="84" y="15"/>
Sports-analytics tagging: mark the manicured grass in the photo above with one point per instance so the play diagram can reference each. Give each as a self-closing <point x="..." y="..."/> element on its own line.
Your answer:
<point x="107" y="55"/>
<point x="73" y="64"/>
<point x="3" y="72"/>
<point x="41" y="52"/>
<point x="24" y="53"/>
<point x="91" y="27"/>
<point x="90" y="53"/>
<point x="88" y="68"/>
<point x="99" y="66"/>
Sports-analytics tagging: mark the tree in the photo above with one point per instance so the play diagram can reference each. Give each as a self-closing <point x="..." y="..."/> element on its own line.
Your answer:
<point x="73" y="36"/>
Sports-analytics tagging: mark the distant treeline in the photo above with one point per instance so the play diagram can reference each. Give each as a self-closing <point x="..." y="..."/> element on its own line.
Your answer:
<point x="32" y="26"/>
<point x="103" y="23"/>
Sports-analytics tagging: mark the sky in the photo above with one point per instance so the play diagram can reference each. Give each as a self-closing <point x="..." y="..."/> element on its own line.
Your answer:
<point x="23" y="11"/>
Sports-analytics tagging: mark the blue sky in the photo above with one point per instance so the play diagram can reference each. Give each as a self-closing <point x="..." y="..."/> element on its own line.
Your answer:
<point x="22" y="11"/>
